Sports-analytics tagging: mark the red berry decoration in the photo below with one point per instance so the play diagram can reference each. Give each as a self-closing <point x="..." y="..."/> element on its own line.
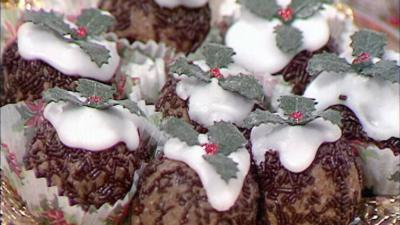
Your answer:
<point x="211" y="149"/>
<point x="297" y="116"/>
<point x="81" y="32"/>
<point x="94" y="99"/>
<point x="216" y="73"/>
<point x="363" y="57"/>
<point x="286" y="14"/>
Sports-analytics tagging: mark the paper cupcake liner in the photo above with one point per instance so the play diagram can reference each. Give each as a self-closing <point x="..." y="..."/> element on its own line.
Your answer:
<point x="43" y="201"/>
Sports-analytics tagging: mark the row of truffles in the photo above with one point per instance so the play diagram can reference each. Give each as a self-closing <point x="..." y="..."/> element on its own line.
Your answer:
<point x="218" y="149"/>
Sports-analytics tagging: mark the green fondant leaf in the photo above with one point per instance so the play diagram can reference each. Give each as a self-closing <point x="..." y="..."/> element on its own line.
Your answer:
<point x="183" y="67"/>
<point x="48" y="20"/>
<point x="180" y="129"/>
<point x="306" y="8"/>
<point x="244" y="85"/>
<point x="289" y="39"/>
<point x="385" y="69"/>
<point x="298" y="104"/>
<point x="367" y="41"/>
<point x="223" y="165"/>
<point x="327" y="62"/>
<point x="217" y="56"/>
<point x="97" y="53"/>
<point x="333" y="116"/>
<point x="227" y="137"/>
<point x="95" y="21"/>
<point x="263" y="8"/>
<point x="131" y="106"/>
<point x="259" y="117"/>
<point x="57" y="94"/>
<point x="89" y="88"/>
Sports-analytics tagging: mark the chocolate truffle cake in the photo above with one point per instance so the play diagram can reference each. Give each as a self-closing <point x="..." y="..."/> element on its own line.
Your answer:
<point x="88" y="145"/>
<point x="279" y="37"/>
<point x="200" y="179"/>
<point x="210" y="90"/>
<point x="50" y="52"/>
<point x="178" y="23"/>
<point x="366" y="91"/>
<point x="307" y="171"/>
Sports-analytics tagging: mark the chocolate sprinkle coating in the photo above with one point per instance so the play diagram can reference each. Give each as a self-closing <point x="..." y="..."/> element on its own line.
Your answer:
<point x="353" y="131"/>
<point x="85" y="177"/>
<point x="143" y="20"/>
<point x="326" y="193"/>
<point x="171" y="193"/>
<point x="296" y="71"/>
<point x="25" y="80"/>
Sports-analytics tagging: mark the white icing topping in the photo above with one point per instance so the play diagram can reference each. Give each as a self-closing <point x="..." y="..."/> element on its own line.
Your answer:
<point x="176" y="3"/>
<point x="254" y="41"/>
<point x="376" y="102"/>
<point x="36" y="43"/>
<point x="93" y="129"/>
<point x="296" y="145"/>
<point x="221" y="195"/>
<point x="209" y="103"/>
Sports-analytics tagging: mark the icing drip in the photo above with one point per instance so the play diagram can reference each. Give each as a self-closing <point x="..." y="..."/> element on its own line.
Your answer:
<point x="221" y="195"/>
<point x="92" y="129"/>
<point x="253" y="40"/>
<point x="296" y="145"/>
<point x="176" y="3"/>
<point x="37" y="43"/>
<point x="209" y="103"/>
<point x="376" y="102"/>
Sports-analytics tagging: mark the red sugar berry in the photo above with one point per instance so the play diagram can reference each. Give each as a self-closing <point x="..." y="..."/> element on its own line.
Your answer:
<point x="81" y="32"/>
<point x="211" y="149"/>
<point x="297" y="116"/>
<point x="286" y="14"/>
<point x="216" y="73"/>
<point x="94" y="99"/>
<point x="363" y="57"/>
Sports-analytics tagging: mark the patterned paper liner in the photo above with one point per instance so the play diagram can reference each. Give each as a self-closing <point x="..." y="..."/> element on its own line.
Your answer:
<point x="18" y="125"/>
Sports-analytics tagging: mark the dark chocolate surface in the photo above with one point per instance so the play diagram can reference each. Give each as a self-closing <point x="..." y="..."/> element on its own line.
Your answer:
<point x="144" y="20"/>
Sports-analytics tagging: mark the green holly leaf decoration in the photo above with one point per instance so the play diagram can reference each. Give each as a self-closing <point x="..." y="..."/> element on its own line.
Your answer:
<point x="131" y="106"/>
<point x="329" y="62"/>
<point x="298" y="109"/>
<point x="217" y="56"/>
<point x="95" y="21"/>
<point x="333" y="116"/>
<point x="228" y="138"/>
<point x="89" y="88"/>
<point x="259" y="117"/>
<point x="244" y="85"/>
<point x="367" y="41"/>
<point x="263" y="8"/>
<point x="48" y="20"/>
<point x="306" y="8"/>
<point x="97" y="53"/>
<point x="57" y="94"/>
<point x="385" y="69"/>
<point x="289" y="39"/>
<point x="180" y="129"/>
<point x="223" y="165"/>
<point x="183" y="67"/>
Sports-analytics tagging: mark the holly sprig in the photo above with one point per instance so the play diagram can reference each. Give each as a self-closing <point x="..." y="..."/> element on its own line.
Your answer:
<point x="297" y="111"/>
<point x="367" y="45"/>
<point x="91" y="94"/>
<point x="288" y="38"/>
<point x="224" y="137"/>
<point x="91" y="23"/>
<point x="218" y="56"/>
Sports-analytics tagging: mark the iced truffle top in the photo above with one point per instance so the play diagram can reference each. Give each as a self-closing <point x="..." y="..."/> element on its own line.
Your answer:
<point x="73" y="49"/>
<point x="297" y="136"/>
<point x="90" y="119"/>
<point x="176" y="3"/>
<point x="219" y="158"/>
<point x="270" y="33"/>
<point x="215" y="88"/>
<point x="369" y="85"/>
